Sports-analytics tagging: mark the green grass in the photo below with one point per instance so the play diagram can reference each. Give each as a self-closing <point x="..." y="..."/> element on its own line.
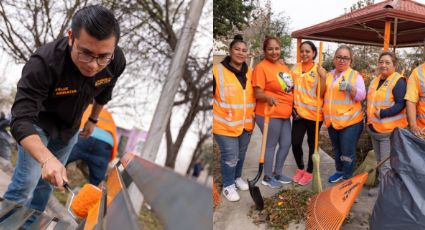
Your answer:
<point x="61" y="196"/>
<point x="149" y="220"/>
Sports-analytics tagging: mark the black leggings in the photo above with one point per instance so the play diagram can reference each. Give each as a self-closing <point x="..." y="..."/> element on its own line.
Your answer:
<point x="299" y="128"/>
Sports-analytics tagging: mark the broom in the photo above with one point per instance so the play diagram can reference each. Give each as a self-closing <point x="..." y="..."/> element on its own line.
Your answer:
<point x="327" y="210"/>
<point x="317" y="182"/>
<point x="368" y="164"/>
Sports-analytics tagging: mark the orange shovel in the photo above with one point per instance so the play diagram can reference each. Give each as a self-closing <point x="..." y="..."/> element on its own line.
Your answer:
<point x="254" y="190"/>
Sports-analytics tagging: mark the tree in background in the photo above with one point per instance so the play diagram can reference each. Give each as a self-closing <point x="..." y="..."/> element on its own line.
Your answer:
<point x="360" y="4"/>
<point x="262" y="22"/>
<point x="229" y="14"/>
<point x="149" y="31"/>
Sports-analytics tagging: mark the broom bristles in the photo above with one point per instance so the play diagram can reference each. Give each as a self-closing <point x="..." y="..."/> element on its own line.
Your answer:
<point x="317" y="182"/>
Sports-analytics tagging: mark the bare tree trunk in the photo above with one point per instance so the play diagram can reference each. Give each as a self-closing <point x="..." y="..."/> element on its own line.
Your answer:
<point x="198" y="150"/>
<point x="164" y="107"/>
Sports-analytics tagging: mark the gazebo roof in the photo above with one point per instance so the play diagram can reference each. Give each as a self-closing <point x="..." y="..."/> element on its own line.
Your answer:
<point x="365" y="26"/>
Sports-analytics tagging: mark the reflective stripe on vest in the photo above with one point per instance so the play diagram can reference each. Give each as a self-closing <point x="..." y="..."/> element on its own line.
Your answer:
<point x="313" y="108"/>
<point x="233" y="106"/>
<point x="221" y="79"/>
<point x="389" y="119"/>
<point x="232" y="123"/>
<point x="343" y="117"/>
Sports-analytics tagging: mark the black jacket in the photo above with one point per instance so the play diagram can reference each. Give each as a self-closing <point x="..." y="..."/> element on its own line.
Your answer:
<point x="53" y="94"/>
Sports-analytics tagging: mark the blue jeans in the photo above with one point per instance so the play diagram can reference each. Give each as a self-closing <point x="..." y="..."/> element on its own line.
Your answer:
<point x="233" y="151"/>
<point x="26" y="186"/>
<point x="344" y="144"/>
<point x="96" y="154"/>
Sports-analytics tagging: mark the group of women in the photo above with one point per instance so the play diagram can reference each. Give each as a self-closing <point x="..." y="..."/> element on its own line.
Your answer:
<point x="241" y="96"/>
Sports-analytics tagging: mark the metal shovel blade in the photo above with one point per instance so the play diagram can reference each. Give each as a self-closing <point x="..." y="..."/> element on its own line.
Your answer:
<point x="255" y="192"/>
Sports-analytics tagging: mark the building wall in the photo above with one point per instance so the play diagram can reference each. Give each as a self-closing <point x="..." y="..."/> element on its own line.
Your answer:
<point x="130" y="140"/>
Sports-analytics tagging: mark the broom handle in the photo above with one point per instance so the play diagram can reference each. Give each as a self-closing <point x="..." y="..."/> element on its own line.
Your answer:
<point x="381" y="163"/>
<point x="316" y="136"/>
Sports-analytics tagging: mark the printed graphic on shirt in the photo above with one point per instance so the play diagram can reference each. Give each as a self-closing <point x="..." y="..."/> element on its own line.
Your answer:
<point x="285" y="81"/>
<point x="102" y="81"/>
<point x="64" y="91"/>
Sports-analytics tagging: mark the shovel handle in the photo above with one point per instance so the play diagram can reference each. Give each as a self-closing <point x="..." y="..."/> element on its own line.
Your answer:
<point x="268" y="110"/>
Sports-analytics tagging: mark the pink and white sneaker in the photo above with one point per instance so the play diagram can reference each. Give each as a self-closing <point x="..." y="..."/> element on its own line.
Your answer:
<point x="298" y="175"/>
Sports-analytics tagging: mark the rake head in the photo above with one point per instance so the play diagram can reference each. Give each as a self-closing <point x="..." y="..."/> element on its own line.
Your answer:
<point x="327" y="210"/>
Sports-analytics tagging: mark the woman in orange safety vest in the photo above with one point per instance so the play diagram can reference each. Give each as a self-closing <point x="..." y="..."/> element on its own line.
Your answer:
<point x="233" y="115"/>
<point x="342" y="112"/>
<point x="385" y="108"/>
<point x="415" y="100"/>
<point x="307" y="76"/>
<point x="273" y="85"/>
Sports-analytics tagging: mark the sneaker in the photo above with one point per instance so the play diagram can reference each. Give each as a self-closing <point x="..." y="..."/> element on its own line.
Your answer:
<point x="230" y="193"/>
<point x="298" y="175"/>
<point x="337" y="176"/>
<point x="241" y="184"/>
<point x="307" y="178"/>
<point x="283" y="179"/>
<point x="271" y="182"/>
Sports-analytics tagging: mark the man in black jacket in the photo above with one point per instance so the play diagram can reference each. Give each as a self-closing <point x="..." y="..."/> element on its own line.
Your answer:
<point x="57" y="84"/>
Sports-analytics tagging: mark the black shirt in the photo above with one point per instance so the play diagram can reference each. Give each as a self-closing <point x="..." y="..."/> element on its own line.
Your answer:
<point x="53" y="94"/>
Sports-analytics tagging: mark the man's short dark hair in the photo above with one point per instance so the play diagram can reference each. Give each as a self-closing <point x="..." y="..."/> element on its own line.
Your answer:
<point x="98" y="21"/>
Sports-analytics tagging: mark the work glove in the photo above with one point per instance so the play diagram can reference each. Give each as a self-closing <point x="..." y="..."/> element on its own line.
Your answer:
<point x="344" y="85"/>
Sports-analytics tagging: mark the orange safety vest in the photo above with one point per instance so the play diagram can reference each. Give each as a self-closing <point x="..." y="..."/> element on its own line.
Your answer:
<point x="383" y="98"/>
<point x="420" y="106"/>
<point x="339" y="109"/>
<point x="305" y="93"/>
<point x="106" y="122"/>
<point x="233" y="106"/>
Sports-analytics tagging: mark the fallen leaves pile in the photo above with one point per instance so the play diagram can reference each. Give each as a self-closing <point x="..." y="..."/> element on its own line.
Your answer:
<point x="283" y="208"/>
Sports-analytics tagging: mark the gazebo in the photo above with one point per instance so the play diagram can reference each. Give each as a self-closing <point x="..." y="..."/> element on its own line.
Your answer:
<point x="399" y="23"/>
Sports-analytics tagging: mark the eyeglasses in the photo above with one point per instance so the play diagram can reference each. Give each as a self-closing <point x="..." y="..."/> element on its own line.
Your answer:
<point x="100" y="60"/>
<point x="342" y="59"/>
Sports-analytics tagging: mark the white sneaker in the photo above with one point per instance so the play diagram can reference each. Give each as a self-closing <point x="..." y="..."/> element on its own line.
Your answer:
<point x="230" y="193"/>
<point x="241" y="184"/>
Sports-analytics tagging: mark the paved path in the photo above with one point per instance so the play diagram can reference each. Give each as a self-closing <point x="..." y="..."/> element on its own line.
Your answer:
<point x="233" y="215"/>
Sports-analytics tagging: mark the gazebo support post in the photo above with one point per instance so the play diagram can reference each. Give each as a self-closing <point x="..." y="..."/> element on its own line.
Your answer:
<point x="298" y="50"/>
<point x="395" y="34"/>
<point x="387" y="34"/>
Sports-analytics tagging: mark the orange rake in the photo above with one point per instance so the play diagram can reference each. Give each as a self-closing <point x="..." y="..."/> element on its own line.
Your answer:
<point x="327" y="210"/>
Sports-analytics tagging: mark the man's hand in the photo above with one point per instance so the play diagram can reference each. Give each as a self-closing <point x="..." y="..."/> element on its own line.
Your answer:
<point x="87" y="130"/>
<point x="54" y="172"/>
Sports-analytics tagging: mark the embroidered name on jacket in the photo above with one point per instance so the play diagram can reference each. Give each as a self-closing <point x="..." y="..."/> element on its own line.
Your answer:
<point x="64" y="91"/>
<point x="102" y="81"/>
